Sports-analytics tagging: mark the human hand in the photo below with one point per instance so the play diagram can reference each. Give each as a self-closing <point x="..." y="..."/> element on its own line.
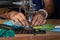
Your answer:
<point x="38" y="20"/>
<point x="18" y="18"/>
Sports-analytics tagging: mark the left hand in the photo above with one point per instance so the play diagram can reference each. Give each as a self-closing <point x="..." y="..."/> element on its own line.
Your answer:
<point x="38" y="20"/>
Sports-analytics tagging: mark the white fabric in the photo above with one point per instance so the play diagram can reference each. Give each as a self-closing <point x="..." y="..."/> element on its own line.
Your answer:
<point x="58" y="26"/>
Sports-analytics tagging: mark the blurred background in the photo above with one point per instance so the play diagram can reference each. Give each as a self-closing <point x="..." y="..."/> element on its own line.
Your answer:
<point x="55" y="14"/>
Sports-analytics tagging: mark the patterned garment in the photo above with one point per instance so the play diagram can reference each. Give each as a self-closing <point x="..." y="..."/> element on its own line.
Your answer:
<point x="39" y="4"/>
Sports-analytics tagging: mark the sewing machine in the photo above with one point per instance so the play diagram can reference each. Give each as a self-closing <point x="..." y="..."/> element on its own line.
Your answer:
<point x="28" y="7"/>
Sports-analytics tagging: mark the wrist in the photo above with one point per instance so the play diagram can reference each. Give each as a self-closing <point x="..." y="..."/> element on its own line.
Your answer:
<point x="4" y="14"/>
<point x="41" y="13"/>
<point x="7" y="14"/>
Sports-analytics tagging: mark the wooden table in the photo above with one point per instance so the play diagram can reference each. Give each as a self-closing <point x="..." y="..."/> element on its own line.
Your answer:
<point x="47" y="36"/>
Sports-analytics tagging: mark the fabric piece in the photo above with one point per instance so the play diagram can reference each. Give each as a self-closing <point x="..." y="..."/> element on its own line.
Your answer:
<point x="13" y="26"/>
<point x="6" y="33"/>
<point x="55" y="30"/>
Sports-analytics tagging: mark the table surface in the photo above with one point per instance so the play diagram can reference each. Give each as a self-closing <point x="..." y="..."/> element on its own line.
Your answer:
<point x="50" y="21"/>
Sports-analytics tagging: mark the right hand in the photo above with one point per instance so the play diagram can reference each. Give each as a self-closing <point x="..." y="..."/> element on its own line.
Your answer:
<point x="18" y="17"/>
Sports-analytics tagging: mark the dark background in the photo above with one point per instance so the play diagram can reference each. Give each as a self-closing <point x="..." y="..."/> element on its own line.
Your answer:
<point x="56" y="14"/>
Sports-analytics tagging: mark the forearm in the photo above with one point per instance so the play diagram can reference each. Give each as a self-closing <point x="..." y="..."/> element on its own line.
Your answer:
<point x="49" y="7"/>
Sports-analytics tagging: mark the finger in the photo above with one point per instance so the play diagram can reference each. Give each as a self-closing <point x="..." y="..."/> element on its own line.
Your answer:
<point x="40" y="22"/>
<point x="27" y="24"/>
<point x="12" y="22"/>
<point x="37" y="21"/>
<point x="44" y="22"/>
<point x="23" y="17"/>
<point x="34" y="20"/>
<point x="21" y="20"/>
<point x="15" y="21"/>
